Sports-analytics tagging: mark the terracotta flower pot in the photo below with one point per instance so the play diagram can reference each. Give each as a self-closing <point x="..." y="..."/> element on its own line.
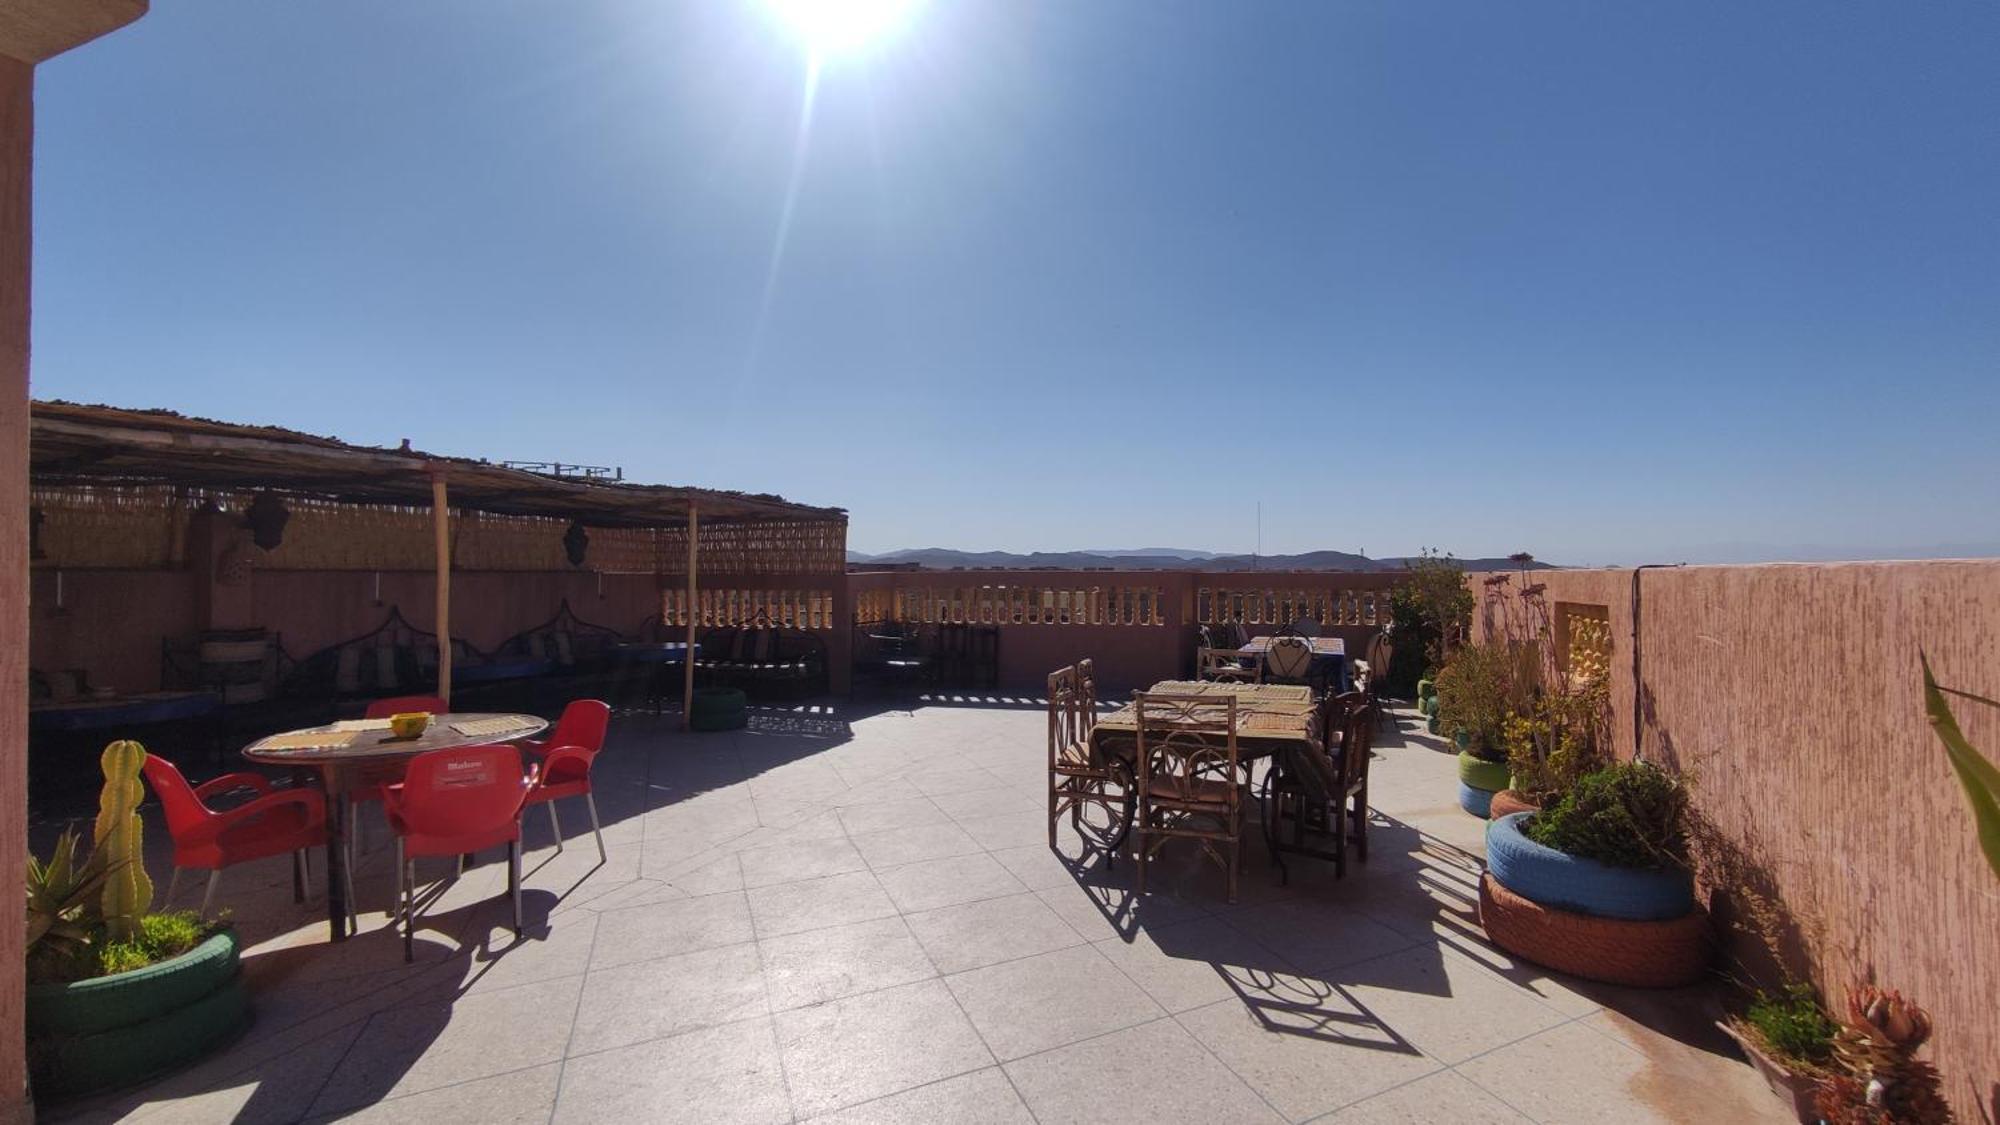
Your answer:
<point x="1796" y="1088"/>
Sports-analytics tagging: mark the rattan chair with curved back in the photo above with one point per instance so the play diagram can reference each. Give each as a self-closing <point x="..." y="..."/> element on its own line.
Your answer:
<point x="1078" y="777"/>
<point x="1334" y="803"/>
<point x="1193" y="784"/>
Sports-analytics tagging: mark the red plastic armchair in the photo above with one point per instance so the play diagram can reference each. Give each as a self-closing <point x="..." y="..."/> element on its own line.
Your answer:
<point x="565" y="770"/>
<point x="368" y="787"/>
<point x="454" y="803"/>
<point x="274" y="822"/>
<point x="582" y="723"/>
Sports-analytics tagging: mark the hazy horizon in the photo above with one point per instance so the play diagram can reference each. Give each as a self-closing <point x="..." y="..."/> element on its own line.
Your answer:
<point x="1605" y="283"/>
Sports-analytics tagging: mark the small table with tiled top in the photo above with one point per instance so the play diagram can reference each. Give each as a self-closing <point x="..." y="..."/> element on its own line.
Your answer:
<point x="1272" y="720"/>
<point x="342" y="751"/>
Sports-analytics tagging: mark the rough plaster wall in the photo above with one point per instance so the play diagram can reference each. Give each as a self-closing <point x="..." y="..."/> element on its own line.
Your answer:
<point x="1791" y="694"/>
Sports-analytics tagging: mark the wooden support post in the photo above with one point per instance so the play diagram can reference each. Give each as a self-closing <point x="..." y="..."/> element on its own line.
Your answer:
<point x="441" y="519"/>
<point x="687" y="666"/>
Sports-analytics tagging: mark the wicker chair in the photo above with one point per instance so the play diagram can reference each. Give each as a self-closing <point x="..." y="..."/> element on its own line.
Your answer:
<point x="1334" y="805"/>
<point x="1192" y="782"/>
<point x="1227" y="664"/>
<point x="1289" y="660"/>
<point x="1077" y="776"/>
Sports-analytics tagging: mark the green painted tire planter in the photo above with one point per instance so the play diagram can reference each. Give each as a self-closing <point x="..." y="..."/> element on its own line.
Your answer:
<point x="113" y="1031"/>
<point x="716" y="709"/>
<point x="1482" y="774"/>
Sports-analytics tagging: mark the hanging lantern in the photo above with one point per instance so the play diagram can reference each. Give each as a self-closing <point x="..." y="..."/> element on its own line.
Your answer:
<point x="266" y="518"/>
<point x="575" y="542"/>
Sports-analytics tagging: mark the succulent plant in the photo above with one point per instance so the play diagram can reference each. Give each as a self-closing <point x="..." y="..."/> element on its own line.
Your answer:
<point x="1880" y="1080"/>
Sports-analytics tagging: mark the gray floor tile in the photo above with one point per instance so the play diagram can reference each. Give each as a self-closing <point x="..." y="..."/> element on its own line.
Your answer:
<point x="821" y="965"/>
<point x="667" y="996"/>
<point x="814" y="904"/>
<point x="1154" y="1074"/>
<point x="974" y="934"/>
<point x="681" y="925"/>
<point x="1048" y="1000"/>
<point x="865" y="1047"/>
<point x="984" y="1097"/>
<point x="932" y="883"/>
<point x="792" y="862"/>
<point x="1308" y="1055"/>
<point x="728" y="1075"/>
<point x="896" y="846"/>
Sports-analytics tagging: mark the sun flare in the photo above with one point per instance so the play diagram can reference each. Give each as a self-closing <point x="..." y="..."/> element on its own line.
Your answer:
<point x="831" y="27"/>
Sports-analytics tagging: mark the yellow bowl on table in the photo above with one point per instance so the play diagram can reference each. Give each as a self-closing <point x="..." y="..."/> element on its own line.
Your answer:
<point x="409" y="724"/>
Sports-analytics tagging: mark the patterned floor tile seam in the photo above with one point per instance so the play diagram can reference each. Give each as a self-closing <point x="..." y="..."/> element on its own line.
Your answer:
<point x="770" y="1010"/>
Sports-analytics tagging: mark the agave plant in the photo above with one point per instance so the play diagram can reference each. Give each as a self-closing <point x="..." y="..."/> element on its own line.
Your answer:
<point x="65" y="898"/>
<point x="1980" y="777"/>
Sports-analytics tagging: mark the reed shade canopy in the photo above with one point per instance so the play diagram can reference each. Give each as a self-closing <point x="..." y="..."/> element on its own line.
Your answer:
<point x="110" y="449"/>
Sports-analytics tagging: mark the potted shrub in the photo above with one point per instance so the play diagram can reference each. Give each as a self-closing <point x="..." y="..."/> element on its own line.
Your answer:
<point x="1559" y="738"/>
<point x="1476" y="691"/>
<point x="117" y="993"/>
<point x="1788" y="1037"/>
<point x="1875" y="1077"/>
<point x="1597" y="885"/>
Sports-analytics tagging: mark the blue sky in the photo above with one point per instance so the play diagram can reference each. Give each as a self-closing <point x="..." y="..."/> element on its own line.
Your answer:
<point x="1605" y="282"/>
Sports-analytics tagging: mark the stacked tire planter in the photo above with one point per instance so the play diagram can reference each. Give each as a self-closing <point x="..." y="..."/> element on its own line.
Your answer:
<point x="1427" y="705"/>
<point x="1478" y="781"/>
<point x="1620" y="925"/>
<point x="115" y="1030"/>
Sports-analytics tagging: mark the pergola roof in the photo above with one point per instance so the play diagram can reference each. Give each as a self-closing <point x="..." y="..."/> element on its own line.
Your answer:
<point x="72" y="443"/>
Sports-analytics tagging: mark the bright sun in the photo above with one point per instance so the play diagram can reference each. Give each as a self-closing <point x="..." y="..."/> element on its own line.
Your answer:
<point x="829" y="27"/>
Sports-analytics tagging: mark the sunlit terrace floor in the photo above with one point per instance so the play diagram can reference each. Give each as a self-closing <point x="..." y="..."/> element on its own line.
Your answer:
<point x="854" y="913"/>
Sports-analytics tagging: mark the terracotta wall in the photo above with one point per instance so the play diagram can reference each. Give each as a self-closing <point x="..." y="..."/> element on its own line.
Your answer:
<point x="1791" y="695"/>
<point x="1127" y="656"/>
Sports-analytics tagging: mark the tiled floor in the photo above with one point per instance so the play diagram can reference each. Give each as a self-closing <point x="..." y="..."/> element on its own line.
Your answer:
<point x="852" y="915"/>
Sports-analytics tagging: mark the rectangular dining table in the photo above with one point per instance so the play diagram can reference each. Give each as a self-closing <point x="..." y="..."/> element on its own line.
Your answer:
<point x="1276" y="721"/>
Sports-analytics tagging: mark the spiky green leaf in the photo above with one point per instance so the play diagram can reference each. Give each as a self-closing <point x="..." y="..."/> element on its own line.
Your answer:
<point x="1979" y="777"/>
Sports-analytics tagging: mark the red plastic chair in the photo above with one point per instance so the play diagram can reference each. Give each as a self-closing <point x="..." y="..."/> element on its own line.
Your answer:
<point x="565" y="769"/>
<point x="454" y="803"/>
<point x="276" y="821"/>
<point x="368" y="788"/>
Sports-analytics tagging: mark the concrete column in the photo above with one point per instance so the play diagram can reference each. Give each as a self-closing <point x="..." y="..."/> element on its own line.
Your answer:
<point x="30" y="31"/>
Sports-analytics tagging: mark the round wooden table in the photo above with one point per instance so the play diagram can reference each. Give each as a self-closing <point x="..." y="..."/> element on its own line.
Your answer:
<point x="342" y="751"/>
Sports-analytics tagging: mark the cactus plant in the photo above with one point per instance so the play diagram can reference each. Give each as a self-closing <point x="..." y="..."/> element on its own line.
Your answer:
<point x="119" y="838"/>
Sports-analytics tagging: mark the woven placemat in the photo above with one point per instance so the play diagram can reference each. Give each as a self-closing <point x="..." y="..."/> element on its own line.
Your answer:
<point x="310" y="740"/>
<point x="488" y="728"/>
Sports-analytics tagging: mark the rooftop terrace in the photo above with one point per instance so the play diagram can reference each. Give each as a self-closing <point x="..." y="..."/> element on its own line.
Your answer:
<point x="850" y="913"/>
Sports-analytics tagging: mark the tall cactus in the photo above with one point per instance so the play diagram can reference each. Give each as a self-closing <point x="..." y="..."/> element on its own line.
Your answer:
<point x="119" y="838"/>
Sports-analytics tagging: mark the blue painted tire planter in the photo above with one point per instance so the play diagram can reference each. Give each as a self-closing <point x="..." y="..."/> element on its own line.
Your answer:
<point x="1551" y="878"/>
<point x="1478" y="802"/>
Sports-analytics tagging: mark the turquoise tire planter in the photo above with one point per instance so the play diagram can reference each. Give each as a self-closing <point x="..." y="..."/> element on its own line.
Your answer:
<point x="86" y="1007"/>
<point x="1551" y="878"/>
<point x="716" y="709"/>
<point x="164" y="1022"/>
<point x="1431" y="724"/>
<point x="1478" y="802"/>
<point x="1482" y="774"/>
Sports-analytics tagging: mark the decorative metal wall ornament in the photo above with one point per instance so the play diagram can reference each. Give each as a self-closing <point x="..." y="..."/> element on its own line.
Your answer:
<point x="266" y="518"/>
<point x="575" y="541"/>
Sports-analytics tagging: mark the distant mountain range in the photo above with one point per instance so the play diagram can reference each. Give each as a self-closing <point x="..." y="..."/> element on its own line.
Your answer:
<point x="1149" y="558"/>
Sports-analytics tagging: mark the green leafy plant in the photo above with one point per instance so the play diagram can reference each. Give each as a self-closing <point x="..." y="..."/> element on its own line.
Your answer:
<point x="1476" y="690"/>
<point x="1558" y="739"/>
<point x="1792" y="1025"/>
<point x="1631" y="814"/>
<point x="1979" y="777"/>
<point x="1429" y="609"/>
<point x="159" y="937"/>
